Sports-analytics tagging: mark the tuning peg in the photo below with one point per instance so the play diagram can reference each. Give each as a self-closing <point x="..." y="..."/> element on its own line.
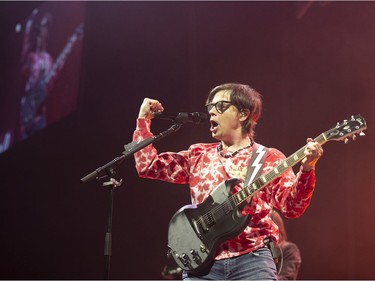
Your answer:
<point x="346" y="140"/>
<point x="362" y="134"/>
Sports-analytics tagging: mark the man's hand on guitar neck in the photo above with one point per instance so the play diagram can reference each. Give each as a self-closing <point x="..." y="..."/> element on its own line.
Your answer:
<point x="313" y="152"/>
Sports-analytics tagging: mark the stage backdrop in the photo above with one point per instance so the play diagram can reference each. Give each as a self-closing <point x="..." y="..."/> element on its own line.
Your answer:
<point x="313" y="62"/>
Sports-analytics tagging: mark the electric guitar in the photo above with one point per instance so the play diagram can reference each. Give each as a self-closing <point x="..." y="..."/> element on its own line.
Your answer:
<point x="195" y="231"/>
<point x="36" y="96"/>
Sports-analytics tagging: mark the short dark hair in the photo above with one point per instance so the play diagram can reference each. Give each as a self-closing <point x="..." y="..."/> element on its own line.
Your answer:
<point x="244" y="98"/>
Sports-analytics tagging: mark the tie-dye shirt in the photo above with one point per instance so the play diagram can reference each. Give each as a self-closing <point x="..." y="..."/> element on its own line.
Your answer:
<point x="204" y="168"/>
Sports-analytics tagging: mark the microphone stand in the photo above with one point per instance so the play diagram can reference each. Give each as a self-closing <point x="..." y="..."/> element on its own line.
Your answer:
<point x="109" y="170"/>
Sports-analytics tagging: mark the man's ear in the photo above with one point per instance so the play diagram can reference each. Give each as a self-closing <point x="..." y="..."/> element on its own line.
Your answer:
<point x="244" y="114"/>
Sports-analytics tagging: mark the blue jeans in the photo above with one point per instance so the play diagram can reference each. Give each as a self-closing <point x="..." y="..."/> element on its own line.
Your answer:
<point x="257" y="265"/>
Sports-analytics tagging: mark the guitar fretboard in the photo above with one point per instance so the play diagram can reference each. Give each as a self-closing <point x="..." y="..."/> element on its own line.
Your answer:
<point x="63" y="55"/>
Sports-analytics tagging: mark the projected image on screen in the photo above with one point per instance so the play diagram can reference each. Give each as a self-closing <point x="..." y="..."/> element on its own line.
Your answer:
<point x="43" y="78"/>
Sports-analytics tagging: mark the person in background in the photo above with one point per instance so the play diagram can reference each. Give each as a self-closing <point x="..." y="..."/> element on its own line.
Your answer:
<point x="288" y="255"/>
<point x="234" y="111"/>
<point x="40" y="71"/>
<point x="37" y="63"/>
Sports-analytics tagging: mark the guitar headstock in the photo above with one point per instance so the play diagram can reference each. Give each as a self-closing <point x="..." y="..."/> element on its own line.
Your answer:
<point x="79" y="30"/>
<point x="347" y="129"/>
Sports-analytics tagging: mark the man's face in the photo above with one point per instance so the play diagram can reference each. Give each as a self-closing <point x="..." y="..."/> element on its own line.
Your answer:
<point x="224" y="118"/>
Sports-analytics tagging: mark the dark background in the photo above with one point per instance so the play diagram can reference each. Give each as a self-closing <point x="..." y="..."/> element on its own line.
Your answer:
<point x="313" y="62"/>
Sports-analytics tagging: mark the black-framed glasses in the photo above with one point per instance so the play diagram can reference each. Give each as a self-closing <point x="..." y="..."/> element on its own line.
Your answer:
<point x="220" y="106"/>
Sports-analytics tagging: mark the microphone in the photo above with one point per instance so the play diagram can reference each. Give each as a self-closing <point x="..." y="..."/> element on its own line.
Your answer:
<point x="183" y="117"/>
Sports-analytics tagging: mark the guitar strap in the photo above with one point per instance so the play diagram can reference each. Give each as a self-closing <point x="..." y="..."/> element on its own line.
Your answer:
<point x="256" y="162"/>
<point x="254" y="169"/>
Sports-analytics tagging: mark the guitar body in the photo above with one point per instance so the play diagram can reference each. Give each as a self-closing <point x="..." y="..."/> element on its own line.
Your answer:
<point x="195" y="232"/>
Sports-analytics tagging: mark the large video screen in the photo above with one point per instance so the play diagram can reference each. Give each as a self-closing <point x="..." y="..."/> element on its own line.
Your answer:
<point x="40" y="69"/>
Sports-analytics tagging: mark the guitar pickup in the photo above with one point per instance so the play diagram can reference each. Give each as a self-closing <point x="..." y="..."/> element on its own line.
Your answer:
<point x="203" y="224"/>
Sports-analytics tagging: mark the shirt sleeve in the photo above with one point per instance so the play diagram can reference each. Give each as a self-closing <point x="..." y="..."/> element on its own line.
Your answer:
<point x="167" y="166"/>
<point x="291" y="193"/>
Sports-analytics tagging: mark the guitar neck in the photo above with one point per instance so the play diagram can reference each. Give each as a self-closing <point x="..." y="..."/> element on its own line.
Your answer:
<point x="263" y="180"/>
<point x="62" y="56"/>
<point x="341" y="132"/>
<point x="59" y="62"/>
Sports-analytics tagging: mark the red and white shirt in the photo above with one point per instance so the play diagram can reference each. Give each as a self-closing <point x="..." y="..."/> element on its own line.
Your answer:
<point x="204" y="168"/>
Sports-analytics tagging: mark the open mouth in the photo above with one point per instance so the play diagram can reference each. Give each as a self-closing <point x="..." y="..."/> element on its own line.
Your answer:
<point x="214" y="125"/>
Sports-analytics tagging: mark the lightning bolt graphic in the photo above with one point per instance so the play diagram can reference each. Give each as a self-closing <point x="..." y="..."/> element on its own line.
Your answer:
<point x="261" y="151"/>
